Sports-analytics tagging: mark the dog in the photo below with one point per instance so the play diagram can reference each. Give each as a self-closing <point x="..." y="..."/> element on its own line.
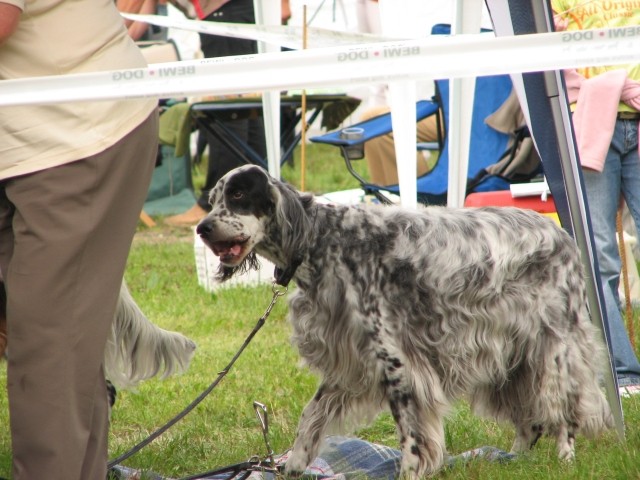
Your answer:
<point x="411" y="310"/>
<point x="136" y="348"/>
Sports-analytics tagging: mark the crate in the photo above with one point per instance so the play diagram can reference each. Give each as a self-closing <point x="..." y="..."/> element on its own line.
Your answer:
<point x="207" y="266"/>
<point x="504" y="198"/>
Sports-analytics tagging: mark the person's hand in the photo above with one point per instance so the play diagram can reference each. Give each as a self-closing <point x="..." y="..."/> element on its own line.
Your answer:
<point x="560" y="22"/>
<point x="9" y="18"/>
<point x="134" y="6"/>
<point x="286" y="12"/>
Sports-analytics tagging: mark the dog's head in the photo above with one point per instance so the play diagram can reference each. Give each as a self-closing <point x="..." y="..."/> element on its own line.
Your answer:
<point x="250" y="209"/>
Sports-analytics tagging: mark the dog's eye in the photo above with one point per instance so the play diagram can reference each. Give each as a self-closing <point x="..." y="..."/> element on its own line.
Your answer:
<point x="237" y="195"/>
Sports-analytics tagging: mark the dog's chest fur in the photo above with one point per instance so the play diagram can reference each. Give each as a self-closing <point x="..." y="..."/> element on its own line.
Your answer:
<point x="343" y="293"/>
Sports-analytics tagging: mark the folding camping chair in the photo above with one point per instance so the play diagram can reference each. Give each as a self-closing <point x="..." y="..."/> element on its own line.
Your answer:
<point x="487" y="146"/>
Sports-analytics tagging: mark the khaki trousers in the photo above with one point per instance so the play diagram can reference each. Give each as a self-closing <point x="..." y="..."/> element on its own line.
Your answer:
<point x="380" y="151"/>
<point x="65" y="234"/>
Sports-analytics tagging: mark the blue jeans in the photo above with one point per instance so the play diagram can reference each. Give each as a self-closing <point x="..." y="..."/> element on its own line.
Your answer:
<point x="621" y="176"/>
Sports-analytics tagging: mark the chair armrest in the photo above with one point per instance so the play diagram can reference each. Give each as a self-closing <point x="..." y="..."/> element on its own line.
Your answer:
<point x="433" y="146"/>
<point x="374" y="127"/>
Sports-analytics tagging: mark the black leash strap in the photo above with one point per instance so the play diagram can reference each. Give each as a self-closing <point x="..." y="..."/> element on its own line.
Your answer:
<point x="239" y="471"/>
<point x="277" y="292"/>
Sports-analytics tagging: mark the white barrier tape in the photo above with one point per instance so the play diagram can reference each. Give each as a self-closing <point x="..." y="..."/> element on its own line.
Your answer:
<point x="428" y="58"/>
<point x="288" y="36"/>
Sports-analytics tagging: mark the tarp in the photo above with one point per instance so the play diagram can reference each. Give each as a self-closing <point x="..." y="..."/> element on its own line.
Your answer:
<point x="341" y="458"/>
<point x="170" y="192"/>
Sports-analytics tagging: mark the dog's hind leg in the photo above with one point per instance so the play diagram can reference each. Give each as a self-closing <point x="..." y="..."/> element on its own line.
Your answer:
<point x="526" y="437"/>
<point x="528" y="433"/>
<point x="513" y="402"/>
<point x="327" y="406"/>
<point x="566" y="442"/>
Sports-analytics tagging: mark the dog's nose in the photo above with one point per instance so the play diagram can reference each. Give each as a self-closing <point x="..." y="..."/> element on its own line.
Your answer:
<point x="204" y="227"/>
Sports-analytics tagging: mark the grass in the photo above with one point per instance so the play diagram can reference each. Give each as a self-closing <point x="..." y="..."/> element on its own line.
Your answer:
<point x="224" y="429"/>
<point x="324" y="171"/>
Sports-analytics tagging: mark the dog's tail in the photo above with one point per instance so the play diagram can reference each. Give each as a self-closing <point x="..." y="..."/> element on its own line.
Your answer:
<point x="137" y="349"/>
<point x="594" y="409"/>
<point x="598" y="417"/>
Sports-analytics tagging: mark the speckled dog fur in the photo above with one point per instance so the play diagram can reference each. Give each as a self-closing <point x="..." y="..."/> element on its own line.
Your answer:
<point x="413" y="309"/>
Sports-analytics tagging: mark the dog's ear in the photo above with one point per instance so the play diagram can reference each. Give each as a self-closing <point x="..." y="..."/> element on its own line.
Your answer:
<point x="293" y="219"/>
<point x="250" y="262"/>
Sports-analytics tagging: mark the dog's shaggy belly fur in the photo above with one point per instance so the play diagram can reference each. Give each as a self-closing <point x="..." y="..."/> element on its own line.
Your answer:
<point x="411" y="310"/>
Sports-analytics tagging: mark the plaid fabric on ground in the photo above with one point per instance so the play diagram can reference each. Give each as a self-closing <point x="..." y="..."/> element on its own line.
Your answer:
<point x="342" y="458"/>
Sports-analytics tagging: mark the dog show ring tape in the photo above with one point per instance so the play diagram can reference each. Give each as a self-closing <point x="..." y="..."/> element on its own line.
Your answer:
<point x="433" y="57"/>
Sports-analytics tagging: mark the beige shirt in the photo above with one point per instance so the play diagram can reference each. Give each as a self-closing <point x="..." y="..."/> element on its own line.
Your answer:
<point x="58" y="37"/>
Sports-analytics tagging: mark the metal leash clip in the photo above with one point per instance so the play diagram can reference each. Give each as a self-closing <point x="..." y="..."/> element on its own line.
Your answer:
<point x="261" y="413"/>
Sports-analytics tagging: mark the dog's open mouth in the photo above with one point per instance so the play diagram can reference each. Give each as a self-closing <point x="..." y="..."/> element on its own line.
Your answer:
<point x="230" y="251"/>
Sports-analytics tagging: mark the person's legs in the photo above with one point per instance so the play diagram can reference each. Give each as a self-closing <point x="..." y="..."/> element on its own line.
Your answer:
<point x="221" y="159"/>
<point x="73" y="227"/>
<point x="237" y="11"/>
<point x="6" y="249"/>
<point x="3" y="322"/>
<point x="380" y="152"/>
<point x="256" y="138"/>
<point x="603" y="194"/>
<point x="368" y="21"/>
<point x="631" y="193"/>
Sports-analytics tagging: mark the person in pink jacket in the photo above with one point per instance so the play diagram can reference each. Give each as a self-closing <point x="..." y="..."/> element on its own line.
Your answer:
<point x="606" y="111"/>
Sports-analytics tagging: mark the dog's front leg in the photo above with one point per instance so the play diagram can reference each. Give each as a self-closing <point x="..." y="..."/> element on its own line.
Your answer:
<point x="316" y="416"/>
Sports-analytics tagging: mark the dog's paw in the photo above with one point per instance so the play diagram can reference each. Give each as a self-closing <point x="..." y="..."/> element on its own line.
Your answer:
<point x="409" y="475"/>
<point x="295" y="466"/>
<point x="293" y="474"/>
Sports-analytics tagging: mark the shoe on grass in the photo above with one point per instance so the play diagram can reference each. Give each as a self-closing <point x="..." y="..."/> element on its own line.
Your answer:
<point x="629" y="390"/>
<point x="187" y="219"/>
<point x="628" y="385"/>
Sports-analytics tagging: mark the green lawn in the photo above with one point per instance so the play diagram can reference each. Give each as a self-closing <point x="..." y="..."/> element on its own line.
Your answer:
<point x="224" y="429"/>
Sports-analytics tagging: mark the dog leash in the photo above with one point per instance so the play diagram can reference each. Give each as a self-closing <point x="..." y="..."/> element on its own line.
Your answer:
<point x="277" y="293"/>
<point x="241" y="471"/>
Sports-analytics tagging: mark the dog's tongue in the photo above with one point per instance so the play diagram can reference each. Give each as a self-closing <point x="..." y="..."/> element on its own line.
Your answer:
<point x="224" y="249"/>
<point x="234" y="250"/>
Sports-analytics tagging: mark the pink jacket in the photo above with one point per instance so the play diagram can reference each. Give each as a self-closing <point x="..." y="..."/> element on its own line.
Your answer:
<point x="594" y="117"/>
